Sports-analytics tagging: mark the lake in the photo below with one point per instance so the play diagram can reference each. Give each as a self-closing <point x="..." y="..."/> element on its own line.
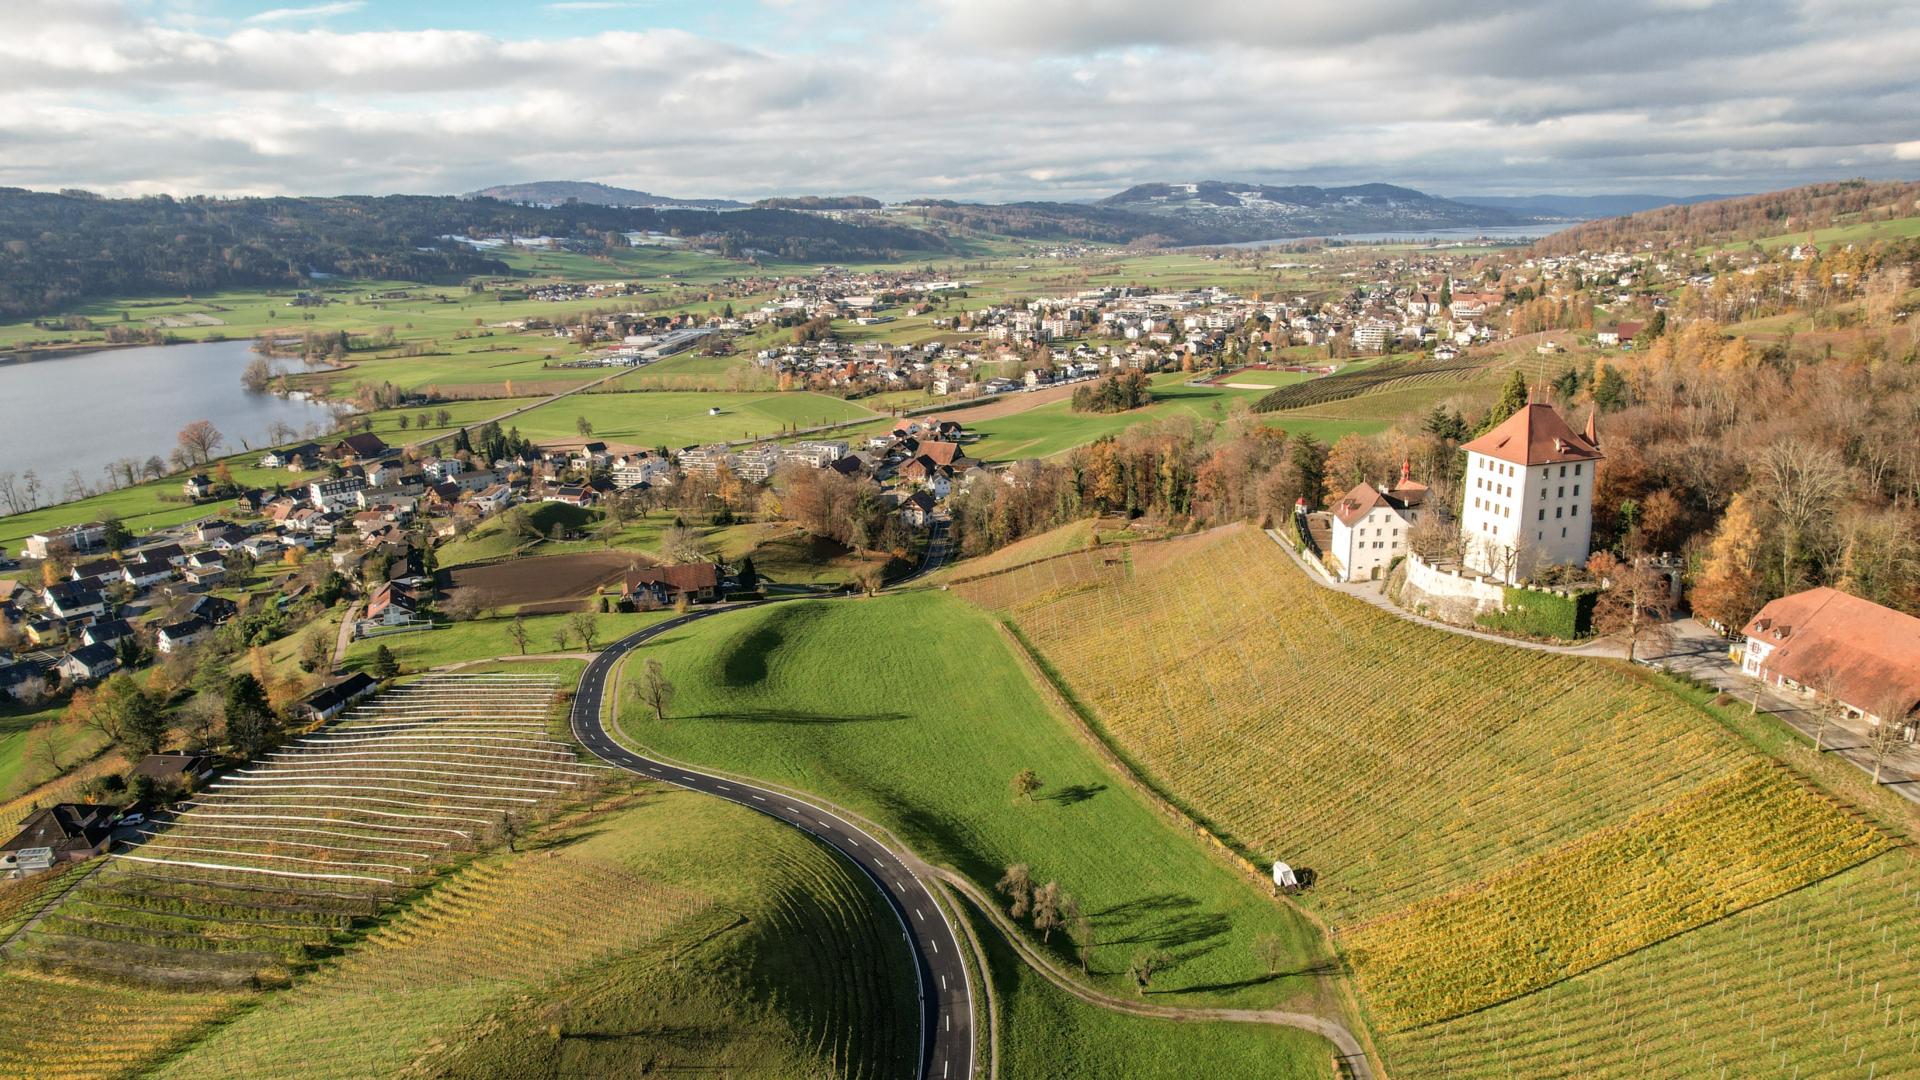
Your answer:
<point x="85" y="410"/>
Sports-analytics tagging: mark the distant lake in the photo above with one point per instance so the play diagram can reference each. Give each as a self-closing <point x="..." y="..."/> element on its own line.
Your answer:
<point x="1498" y="232"/>
<point x="85" y="410"/>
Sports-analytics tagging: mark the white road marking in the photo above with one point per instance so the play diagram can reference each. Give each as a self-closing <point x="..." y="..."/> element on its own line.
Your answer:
<point x="918" y="914"/>
<point x="721" y="786"/>
<point x="758" y="798"/>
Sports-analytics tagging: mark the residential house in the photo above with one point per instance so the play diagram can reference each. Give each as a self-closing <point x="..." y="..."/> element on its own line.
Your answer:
<point x="175" y="636"/>
<point x="1372" y="526"/>
<point x="182" y="769"/>
<point x="88" y="663"/>
<point x="632" y="470"/>
<point x="78" y="539"/>
<point x="338" y="494"/>
<point x="391" y="605"/>
<point x="69" y="600"/>
<point x="198" y="486"/>
<point x="330" y="701"/>
<point x="205" y="574"/>
<point x="1834" y="645"/>
<point x="356" y="447"/>
<point x="917" y="509"/>
<point x="106" y="632"/>
<point x="662" y="585"/>
<point x="72" y="831"/>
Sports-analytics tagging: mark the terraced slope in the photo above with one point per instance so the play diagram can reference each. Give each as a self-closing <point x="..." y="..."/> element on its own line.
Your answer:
<point x="274" y="862"/>
<point x="1482" y="824"/>
<point x="671" y="934"/>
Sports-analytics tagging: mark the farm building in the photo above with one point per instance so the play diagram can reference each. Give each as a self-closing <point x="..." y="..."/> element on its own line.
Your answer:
<point x="330" y="701"/>
<point x="1827" y="642"/>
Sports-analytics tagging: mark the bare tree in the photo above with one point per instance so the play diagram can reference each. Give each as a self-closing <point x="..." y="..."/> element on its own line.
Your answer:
<point x="45" y="750"/>
<point x="517" y="630"/>
<point x="1827" y="706"/>
<point x="562" y="637"/>
<point x="1145" y="966"/>
<point x="655" y="690"/>
<point x="1636" y="607"/>
<point x="1271" y="951"/>
<point x="1017" y="886"/>
<point x="11" y="495"/>
<point x="1047" y="916"/>
<point x="1894" y="709"/>
<point x="682" y="544"/>
<point x="462" y="604"/>
<point x="1025" y="783"/>
<point x="198" y="440"/>
<point x="585" y="627"/>
<point x="1080" y="930"/>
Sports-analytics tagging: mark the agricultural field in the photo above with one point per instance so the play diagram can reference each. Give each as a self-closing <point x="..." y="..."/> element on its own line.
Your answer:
<point x="1820" y="982"/>
<point x="1559" y="816"/>
<point x="569" y="582"/>
<point x="911" y="709"/>
<point x="1726" y="846"/>
<point x="477" y="639"/>
<point x="272" y="864"/>
<point x="608" y="946"/>
<point x="1373" y="377"/>
<point x="67" y="1029"/>
<point x="681" y="418"/>
<point x="1055" y="428"/>
<point x="24" y="751"/>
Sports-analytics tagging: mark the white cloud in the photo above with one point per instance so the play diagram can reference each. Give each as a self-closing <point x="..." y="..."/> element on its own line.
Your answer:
<point x="313" y="12"/>
<point x="980" y="98"/>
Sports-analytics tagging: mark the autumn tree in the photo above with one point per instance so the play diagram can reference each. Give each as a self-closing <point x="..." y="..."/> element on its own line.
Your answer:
<point x="1025" y="783"/>
<point x="1271" y="952"/>
<point x="1729" y="588"/>
<point x="1016" y="884"/>
<point x="198" y="440"/>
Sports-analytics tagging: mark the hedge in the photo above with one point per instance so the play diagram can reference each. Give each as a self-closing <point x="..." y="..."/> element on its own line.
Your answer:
<point x="1542" y="614"/>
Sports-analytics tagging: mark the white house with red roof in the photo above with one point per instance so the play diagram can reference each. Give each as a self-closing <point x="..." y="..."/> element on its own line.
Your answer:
<point x="1371" y="526"/>
<point x="1529" y="495"/>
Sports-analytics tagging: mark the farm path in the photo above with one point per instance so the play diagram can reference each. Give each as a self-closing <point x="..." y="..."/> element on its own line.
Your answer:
<point x="1352" y="1056"/>
<point x="345" y="636"/>
<point x="1698" y="651"/>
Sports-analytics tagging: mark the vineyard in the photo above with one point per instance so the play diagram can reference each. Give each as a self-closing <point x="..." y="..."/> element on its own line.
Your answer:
<point x="1492" y="831"/>
<point x="274" y="863"/>
<point x="64" y="1029"/>
<point x="609" y="948"/>
<point x="1733" y="843"/>
<point x="1820" y="982"/>
<point x="1396" y="762"/>
<point x="1395" y="374"/>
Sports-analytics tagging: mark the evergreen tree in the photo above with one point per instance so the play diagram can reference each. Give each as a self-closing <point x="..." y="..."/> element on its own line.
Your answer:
<point x="251" y="726"/>
<point x="385" y="666"/>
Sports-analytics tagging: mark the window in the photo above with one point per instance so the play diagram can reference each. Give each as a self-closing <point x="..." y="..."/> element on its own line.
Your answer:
<point x="1543" y="493"/>
<point x="1563" y="470"/>
<point x="1563" y="533"/>
<point x="1556" y="512"/>
<point x="1539" y="536"/>
<point x="1576" y="491"/>
<point x="1576" y="470"/>
<point x="1574" y="510"/>
<point x="1543" y="513"/>
<point x="1562" y="493"/>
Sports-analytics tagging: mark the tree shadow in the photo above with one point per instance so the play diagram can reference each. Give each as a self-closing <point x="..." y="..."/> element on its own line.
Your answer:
<point x="746" y="664"/>
<point x="1315" y="970"/>
<point x="1072" y="793"/>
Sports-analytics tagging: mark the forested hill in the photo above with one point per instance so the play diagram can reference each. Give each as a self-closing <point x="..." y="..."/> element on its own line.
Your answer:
<point x="58" y="249"/>
<point x="1750" y="217"/>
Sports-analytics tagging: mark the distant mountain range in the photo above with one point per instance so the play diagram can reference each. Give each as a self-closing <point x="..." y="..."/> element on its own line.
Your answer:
<point x="1259" y="211"/>
<point x="1582" y="207"/>
<point x="558" y="192"/>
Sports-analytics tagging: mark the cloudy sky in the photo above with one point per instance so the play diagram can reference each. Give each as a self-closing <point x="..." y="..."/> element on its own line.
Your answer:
<point x="971" y="99"/>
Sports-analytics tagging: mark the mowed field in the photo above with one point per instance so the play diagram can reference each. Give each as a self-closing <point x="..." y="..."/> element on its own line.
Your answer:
<point x="681" y="418"/>
<point x="1482" y="823"/>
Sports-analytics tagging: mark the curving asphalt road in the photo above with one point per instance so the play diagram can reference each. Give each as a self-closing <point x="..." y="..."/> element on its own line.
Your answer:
<point x="946" y="995"/>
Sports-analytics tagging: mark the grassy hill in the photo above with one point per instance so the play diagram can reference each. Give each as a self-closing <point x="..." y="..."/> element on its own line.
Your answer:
<point x="1482" y="822"/>
<point x="911" y="709"/>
